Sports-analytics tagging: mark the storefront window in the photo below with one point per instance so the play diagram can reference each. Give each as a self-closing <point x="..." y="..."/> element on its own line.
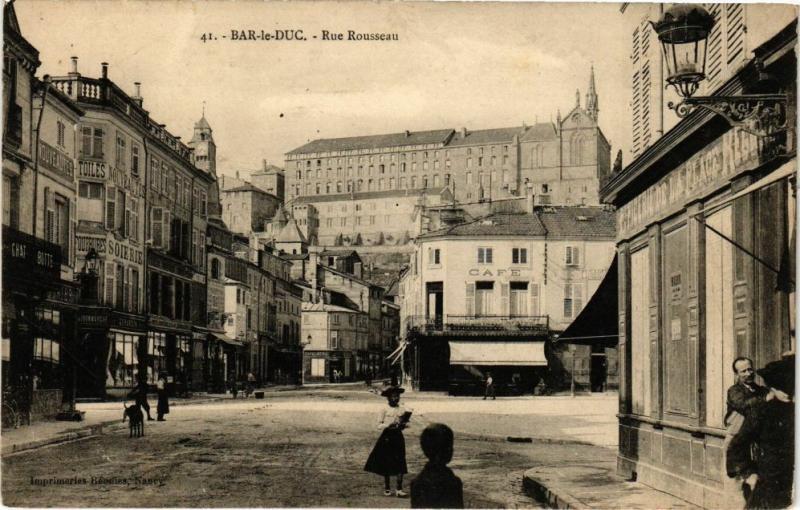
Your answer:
<point x="640" y="332"/>
<point x="123" y="363"/>
<point x="157" y="352"/>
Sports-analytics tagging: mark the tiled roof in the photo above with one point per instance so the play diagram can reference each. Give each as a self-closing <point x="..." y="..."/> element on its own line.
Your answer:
<point x="374" y="141"/>
<point x="501" y="224"/>
<point x="268" y="170"/>
<point x="548" y="221"/>
<point x="244" y="187"/>
<point x="483" y="136"/>
<point x="290" y="234"/>
<point x="293" y="256"/>
<point x="541" y="131"/>
<point x="365" y="195"/>
<point x="578" y="221"/>
<point x="338" y="253"/>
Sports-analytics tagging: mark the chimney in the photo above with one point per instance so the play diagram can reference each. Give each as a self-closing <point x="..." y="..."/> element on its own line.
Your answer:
<point x="237" y="175"/>
<point x="313" y="266"/>
<point x="137" y="95"/>
<point x="74" y="70"/>
<point x="357" y="271"/>
<point x="104" y="71"/>
<point x="463" y="132"/>
<point x="264" y="163"/>
<point x="529" y="201"/>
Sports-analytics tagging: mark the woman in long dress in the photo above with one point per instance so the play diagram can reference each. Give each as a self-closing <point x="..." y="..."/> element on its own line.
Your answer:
<point x="163" y="400"/>
<point x="388" y="457"/>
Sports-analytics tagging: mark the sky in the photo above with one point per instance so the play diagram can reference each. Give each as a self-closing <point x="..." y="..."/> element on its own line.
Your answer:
<point x="474" y="65"/>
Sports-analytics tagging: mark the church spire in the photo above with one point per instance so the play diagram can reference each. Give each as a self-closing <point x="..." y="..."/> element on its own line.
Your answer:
<point x="592" y="107"/>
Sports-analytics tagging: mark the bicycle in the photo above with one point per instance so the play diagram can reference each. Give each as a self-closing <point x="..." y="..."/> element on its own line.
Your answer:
<point x="10" y="416"/>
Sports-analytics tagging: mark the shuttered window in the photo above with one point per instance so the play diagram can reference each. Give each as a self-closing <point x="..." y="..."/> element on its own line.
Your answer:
<point x="572" y="256"/>
<point x="156" y="227"/>
<point x="470" y="298"/>
<point x="111" y="204"/>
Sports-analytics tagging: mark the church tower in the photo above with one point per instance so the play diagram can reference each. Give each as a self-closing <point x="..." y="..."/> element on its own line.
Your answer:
<point x="205" y="158"/>
<point x="592" y="108"/>
<point x="205" y="150"/>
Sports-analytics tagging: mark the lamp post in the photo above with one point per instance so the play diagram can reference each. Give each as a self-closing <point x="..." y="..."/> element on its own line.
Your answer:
<point x="683" y="32"/>
<point x="88" y="292"/>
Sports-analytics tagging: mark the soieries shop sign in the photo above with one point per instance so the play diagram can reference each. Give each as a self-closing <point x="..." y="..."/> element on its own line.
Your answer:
<point x="110" y="247"/>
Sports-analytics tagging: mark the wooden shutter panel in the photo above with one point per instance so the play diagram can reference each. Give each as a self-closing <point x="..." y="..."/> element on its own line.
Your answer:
<point x="49" y="216"/>
<point x="504" y="299"/>
<point x="533" y="289"/>
<point x="166" y="231"/>
<point x="73" y="225"/>
<point x="156" y="227"/>
<point x="576" y="257"/>
<point x="111" y="201"/>
<point x="470" y="298"/>
<point x="577" y="299"/>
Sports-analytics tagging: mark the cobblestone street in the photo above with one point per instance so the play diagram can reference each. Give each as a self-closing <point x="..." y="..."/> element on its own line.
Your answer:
<point x="294" y="449"/>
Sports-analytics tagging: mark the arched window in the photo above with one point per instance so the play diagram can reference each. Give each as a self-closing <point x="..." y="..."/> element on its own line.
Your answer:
<point x="215" y="269"/>
<point x="327" y="187"/>
<point x="576" y="149"/>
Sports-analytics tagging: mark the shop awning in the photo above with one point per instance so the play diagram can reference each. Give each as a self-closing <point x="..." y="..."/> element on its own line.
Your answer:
<point x="523" y="354"/>
<point x="597" y="322"/>
<point x="226" y="339"/>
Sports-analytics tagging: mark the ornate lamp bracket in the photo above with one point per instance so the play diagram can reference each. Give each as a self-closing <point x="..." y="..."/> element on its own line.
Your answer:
<point x="763" y="115"/>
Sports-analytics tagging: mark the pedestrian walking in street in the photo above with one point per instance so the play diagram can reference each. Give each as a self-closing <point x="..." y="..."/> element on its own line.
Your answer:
<point x="437" y="486"/>
<point x="141" y="397"/>
<point x="251" y="384"/>
<point x="489" y="387"/>
<point x="163" y="400"/>
<point x="388" y="456"/>
<point x="368" y="378"/>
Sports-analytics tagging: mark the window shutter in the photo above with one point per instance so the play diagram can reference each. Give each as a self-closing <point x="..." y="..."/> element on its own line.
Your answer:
<point x="166" y="231"/>
<point x="110" y="284"/>
<point x="533" y="289"/>
<point x="471" y="298"/>
<point x="577" y="299"/>
<point x="576" y="259"/>
<point x="121" y="212"/>
<point x="49" y="216"/>
<point x="156" y="227"/>
<point x="568" y="255"/>
<point x="111" y="203"/>
<point x="504" y="298"/>
<point x="73" y="225"/>
<point x="568" y="300"/>
<point x="488" y="255"/>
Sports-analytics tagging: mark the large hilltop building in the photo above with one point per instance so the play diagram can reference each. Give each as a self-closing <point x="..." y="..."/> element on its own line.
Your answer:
<point x="375" y="184"/>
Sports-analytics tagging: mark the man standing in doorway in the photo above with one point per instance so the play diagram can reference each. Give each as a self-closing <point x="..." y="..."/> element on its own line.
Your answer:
<point x="489" y="386"/>
<point x="748" y="424"/>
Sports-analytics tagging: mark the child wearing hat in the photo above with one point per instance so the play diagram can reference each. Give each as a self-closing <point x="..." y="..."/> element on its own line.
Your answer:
<point x="388" y="457"/>
<point x="437" y="486"/>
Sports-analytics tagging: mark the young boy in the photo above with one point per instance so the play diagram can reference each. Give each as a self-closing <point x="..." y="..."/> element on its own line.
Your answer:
<point x="436" y="486"/>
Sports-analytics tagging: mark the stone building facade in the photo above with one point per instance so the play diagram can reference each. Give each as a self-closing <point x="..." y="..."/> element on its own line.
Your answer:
<point x="560" y="163"/>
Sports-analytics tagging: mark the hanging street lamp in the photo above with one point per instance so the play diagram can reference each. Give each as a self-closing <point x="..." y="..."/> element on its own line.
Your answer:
<point x="683" y="31"/>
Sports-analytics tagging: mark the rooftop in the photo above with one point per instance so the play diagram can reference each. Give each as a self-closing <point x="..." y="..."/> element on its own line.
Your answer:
<point x="365" y="195"/>
<point x="565" y="221"/>
<point x="374" y="141"/>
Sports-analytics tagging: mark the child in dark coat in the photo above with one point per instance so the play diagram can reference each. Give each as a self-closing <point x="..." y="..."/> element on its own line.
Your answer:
<point x="437" y="486"/>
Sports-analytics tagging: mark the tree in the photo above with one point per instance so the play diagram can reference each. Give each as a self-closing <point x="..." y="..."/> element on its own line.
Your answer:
<point x="338" y="240"/>
<point x="358" y="241"/>
<point x="380" y="240"/>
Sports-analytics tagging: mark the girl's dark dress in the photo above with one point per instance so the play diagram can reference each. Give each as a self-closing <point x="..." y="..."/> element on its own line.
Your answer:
<point x="388" y="457"/>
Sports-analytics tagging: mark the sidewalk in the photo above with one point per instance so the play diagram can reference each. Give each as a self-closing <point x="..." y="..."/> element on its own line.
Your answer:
<point x="99" y="417"/>
<point x="587" y="479"/>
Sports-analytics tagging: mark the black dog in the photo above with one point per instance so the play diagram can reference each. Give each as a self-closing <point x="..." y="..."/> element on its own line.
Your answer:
<point x="135" y="417"/>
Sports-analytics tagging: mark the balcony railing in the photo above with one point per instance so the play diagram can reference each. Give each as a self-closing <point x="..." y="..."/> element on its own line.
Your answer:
<point x="529" y="324"/>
